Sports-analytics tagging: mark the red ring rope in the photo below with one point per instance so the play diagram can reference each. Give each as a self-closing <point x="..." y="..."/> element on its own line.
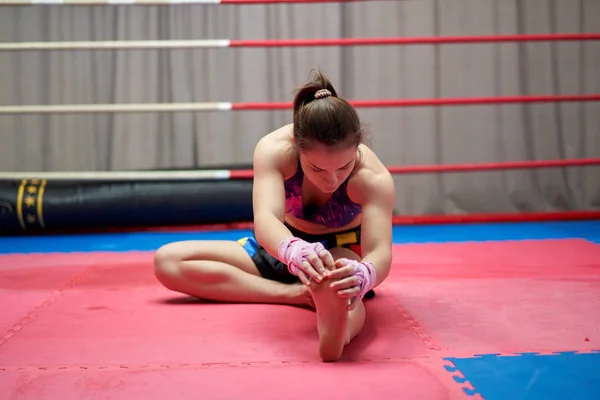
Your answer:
<point x="495" y="166"/>
<point x="583" y="162"/>
<point x="415" y="40"/>
<point x="432" y="102"/>
<point x="401" y="220"/>
<point x="496" y="217"/>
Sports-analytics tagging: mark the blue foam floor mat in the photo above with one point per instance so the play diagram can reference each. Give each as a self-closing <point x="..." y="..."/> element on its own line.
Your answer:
<point x="529" y="375"/>
<point x="149" y="241"/>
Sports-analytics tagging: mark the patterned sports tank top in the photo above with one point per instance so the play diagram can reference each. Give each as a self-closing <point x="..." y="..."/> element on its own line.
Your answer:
<point x="337" y="212"/>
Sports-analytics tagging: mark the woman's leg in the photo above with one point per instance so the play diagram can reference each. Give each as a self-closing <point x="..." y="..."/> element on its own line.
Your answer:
<point x="336" y="325"/>
<point x="221" y="271"/>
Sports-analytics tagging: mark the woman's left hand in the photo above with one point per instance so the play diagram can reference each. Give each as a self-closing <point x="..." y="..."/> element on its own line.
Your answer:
<point x="350" y="279"/>
<point x="344" y="280"/>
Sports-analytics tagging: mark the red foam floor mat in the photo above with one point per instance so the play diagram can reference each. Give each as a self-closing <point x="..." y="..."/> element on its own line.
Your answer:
<point x="409" y="379"/>
<point x="504" y="297"/>
<point x="100" y="326"/>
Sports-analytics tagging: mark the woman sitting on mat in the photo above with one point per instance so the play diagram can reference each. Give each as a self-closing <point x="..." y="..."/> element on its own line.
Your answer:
<point x="323" y="206"/>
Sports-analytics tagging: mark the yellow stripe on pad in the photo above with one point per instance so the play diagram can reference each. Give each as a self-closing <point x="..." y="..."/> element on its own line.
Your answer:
<point x="346" y="238"/>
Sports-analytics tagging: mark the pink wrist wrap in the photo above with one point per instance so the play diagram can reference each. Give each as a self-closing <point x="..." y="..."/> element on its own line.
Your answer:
<point x="366" y="274"/>
<point x="293" y="251"/>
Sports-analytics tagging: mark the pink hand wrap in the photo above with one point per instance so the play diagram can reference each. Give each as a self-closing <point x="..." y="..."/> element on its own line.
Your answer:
<point x="293" y="251"/>
<point x="366" y="274"/>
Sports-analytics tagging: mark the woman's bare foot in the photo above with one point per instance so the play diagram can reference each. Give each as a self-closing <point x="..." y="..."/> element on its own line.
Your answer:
<point x="332" y="320"/>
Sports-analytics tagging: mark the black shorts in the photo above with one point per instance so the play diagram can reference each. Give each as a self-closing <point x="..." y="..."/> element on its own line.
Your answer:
<point x="271" y="268"/>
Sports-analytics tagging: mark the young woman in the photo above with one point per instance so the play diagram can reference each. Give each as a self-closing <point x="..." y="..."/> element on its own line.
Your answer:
<point x="323" y="206"/>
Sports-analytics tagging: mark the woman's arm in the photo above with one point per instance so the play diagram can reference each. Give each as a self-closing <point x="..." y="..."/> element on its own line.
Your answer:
<point x="372" y="187"/>
<point x="268" y="194"/>
<point x="378" y="197"/>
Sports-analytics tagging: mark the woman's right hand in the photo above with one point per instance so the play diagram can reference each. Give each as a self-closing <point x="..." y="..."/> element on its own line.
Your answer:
<point x="305" y="260"/>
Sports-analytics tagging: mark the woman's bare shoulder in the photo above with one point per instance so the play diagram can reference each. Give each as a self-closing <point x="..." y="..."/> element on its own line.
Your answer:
<point x="276" y="150"/>
<point x="371" y="178"/>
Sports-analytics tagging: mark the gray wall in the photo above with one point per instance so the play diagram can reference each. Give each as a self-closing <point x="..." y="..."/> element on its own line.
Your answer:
<point x="401" y="136"/>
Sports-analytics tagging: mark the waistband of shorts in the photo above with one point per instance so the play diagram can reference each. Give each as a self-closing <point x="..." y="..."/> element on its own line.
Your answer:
<point x="329" y="240"/>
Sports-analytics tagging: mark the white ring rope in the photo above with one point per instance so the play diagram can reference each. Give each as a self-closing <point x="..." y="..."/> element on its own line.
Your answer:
<point x="217" y="174"/>
<point x="165" y="2"/>
<point x="116" y="108"/>
<point x="115" y="45"/>
<point x="104" y="2"/>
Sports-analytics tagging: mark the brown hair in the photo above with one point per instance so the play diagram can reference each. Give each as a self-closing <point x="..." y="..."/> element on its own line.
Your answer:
<point x="320" y="116"/>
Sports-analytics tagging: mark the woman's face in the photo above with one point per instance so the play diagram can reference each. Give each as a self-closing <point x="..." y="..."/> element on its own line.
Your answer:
<point x="328" y="168"/>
